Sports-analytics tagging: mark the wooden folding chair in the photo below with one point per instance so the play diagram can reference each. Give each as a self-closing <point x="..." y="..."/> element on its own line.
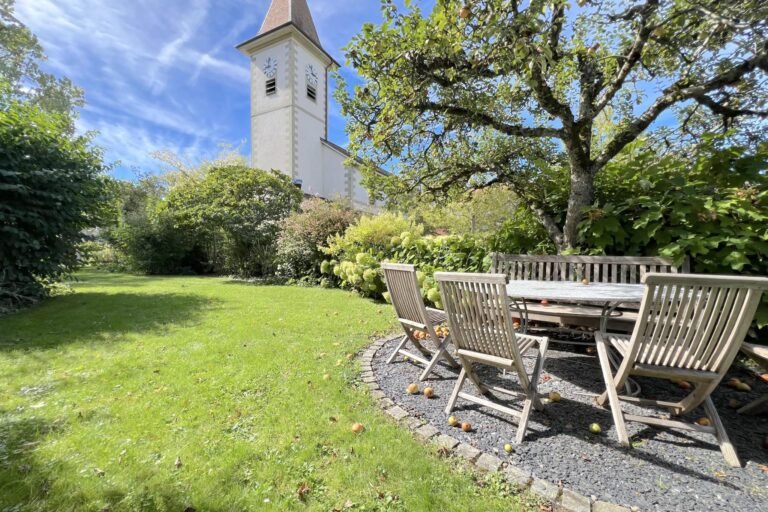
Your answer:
<point x="481" y="324"/>
<point x="759" y="355"/>
<point x="690" y="327"/>
<point x="413" y="315"/>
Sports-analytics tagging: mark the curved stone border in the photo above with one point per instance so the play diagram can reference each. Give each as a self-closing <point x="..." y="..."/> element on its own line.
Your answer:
<point x="562" y="498"/>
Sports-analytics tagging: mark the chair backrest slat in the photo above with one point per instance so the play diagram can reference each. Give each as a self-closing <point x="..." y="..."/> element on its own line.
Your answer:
<point x="478" y="312"/>
<point x="599" y="269"/>
<point x="405" y="294"/>
<point x="694" y="322"/>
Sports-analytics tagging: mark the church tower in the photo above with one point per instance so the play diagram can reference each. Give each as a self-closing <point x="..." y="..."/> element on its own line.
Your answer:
<point x="289" y="97"/>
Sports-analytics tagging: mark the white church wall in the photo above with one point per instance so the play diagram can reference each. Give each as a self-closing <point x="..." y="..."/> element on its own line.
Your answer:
<point x="309" y="157"/>
<point x="272" y="122"/>
<point x="334" y="173"/>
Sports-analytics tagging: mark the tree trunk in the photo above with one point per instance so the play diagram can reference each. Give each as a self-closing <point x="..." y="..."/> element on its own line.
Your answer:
<point x="582" y="195"/>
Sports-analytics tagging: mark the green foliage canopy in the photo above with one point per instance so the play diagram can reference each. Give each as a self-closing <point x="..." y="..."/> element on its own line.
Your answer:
<point x="515" y="92"/>
<point x="52" y="187"/>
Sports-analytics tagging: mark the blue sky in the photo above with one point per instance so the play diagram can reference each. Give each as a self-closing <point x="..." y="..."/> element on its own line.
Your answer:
<point x="165" y="74"/>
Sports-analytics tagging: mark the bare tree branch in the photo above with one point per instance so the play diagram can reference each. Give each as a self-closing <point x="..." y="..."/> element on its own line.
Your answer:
<point x="481" y="118"/>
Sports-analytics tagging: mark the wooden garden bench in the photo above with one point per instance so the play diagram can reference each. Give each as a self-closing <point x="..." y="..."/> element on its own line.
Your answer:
<point x="597" y="269"/>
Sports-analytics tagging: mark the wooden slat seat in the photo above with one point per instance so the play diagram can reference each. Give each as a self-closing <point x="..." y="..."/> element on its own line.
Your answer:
<point x="413" y="315"/>
<point x="690" y="327"/>
<point x="480" y="318"/>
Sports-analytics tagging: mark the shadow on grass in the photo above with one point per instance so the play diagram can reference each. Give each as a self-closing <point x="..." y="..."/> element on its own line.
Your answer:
<point x="98" y="317"/>
<point x="27" y="481"/>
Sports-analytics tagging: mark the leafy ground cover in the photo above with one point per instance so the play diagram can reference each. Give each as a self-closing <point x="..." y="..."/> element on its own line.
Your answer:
<point x="188" y="393"/>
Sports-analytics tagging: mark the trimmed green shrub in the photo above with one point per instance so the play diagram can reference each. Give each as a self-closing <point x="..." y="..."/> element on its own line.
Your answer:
<point x="52" y="187"/>
<point x="303" y="233"/>
<point x="357" y="255"/>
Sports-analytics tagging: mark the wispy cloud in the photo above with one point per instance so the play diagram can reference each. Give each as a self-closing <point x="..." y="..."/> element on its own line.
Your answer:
<point x="164" y="74"/>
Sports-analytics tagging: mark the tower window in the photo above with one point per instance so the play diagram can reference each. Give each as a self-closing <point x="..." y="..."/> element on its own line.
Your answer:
<point x="271" y="86"/>
<point x="311" y="93"/>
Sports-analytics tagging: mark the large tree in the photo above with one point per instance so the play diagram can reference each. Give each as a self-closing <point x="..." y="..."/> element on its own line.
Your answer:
<point x="523" y="92"/>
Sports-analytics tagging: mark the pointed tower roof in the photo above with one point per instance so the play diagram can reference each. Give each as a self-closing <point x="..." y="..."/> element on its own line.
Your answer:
<point x="296" y="12"/>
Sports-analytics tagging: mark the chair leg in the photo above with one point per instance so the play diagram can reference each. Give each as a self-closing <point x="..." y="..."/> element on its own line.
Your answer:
<point x="398" y="349"/>
<point x="754" y="405"/>
<point x="442" y="353"/>
<point x="613" y="397"/>
<point x="537" y="369"/>
<point x="456" y="389"/>
<point x="729" y="452"/>
<point x="522" y="426"/>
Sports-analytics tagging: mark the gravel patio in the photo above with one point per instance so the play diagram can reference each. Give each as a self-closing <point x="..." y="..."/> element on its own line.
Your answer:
<point x="666" y="469"/>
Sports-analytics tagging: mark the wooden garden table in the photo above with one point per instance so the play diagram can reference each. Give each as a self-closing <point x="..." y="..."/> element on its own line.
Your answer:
<point x="609" y="295"/>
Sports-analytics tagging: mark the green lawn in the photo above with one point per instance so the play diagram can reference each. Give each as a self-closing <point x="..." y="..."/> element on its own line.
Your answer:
<point x="103" y="391"/>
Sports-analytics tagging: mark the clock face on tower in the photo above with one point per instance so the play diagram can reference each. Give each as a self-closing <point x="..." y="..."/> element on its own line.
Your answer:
<point x="270" y="68"/>
<point x="311" y="75"/>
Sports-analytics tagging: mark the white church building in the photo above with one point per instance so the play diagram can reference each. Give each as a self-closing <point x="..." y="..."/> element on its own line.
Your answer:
<point x="289" y="106"/>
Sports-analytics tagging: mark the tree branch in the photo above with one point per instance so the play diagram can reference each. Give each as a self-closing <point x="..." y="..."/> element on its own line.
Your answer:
<point x="631" y="58"/>
<point x="725" y="111"/>
<point x="480" y="118"/>
<point x="678" y="93"/>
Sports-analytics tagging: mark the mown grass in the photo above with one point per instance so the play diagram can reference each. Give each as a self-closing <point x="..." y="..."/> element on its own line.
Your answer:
<point x="139" y="393"/>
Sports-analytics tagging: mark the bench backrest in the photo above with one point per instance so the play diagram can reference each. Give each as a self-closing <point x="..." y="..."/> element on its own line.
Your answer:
<point x="598" y="269"/>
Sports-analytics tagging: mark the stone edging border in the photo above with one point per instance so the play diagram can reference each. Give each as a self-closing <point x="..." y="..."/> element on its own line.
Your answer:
<point x="562" y="498"/>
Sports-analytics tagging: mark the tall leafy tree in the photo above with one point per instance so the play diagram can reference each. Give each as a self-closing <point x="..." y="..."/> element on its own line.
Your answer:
<point x="515" y="92"/>
<point x="21" y="77"/>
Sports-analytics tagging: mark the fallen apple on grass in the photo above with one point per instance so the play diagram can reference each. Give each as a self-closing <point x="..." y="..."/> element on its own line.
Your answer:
<point x="429" y="392"/>
<point x="357" y="428"/>
<point x="452" y="421"/>
<point x="509" y="448"/>
<point x="466" y="426"/>
<point x="412" y="389"/>
<point x="327" y="376"/>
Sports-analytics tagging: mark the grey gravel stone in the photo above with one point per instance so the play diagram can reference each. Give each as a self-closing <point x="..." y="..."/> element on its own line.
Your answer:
<point x="445" y="441"/>
<point x="397" y="412"/>
<point x="488" y="462"/>
<point x="602" y="506"/>
<point x="467" y="451"/>
<point x="667" y="469"/>
<point x="573" y="502"/>
<point x="544" y="489"/>
<point x="426" y="431"/>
